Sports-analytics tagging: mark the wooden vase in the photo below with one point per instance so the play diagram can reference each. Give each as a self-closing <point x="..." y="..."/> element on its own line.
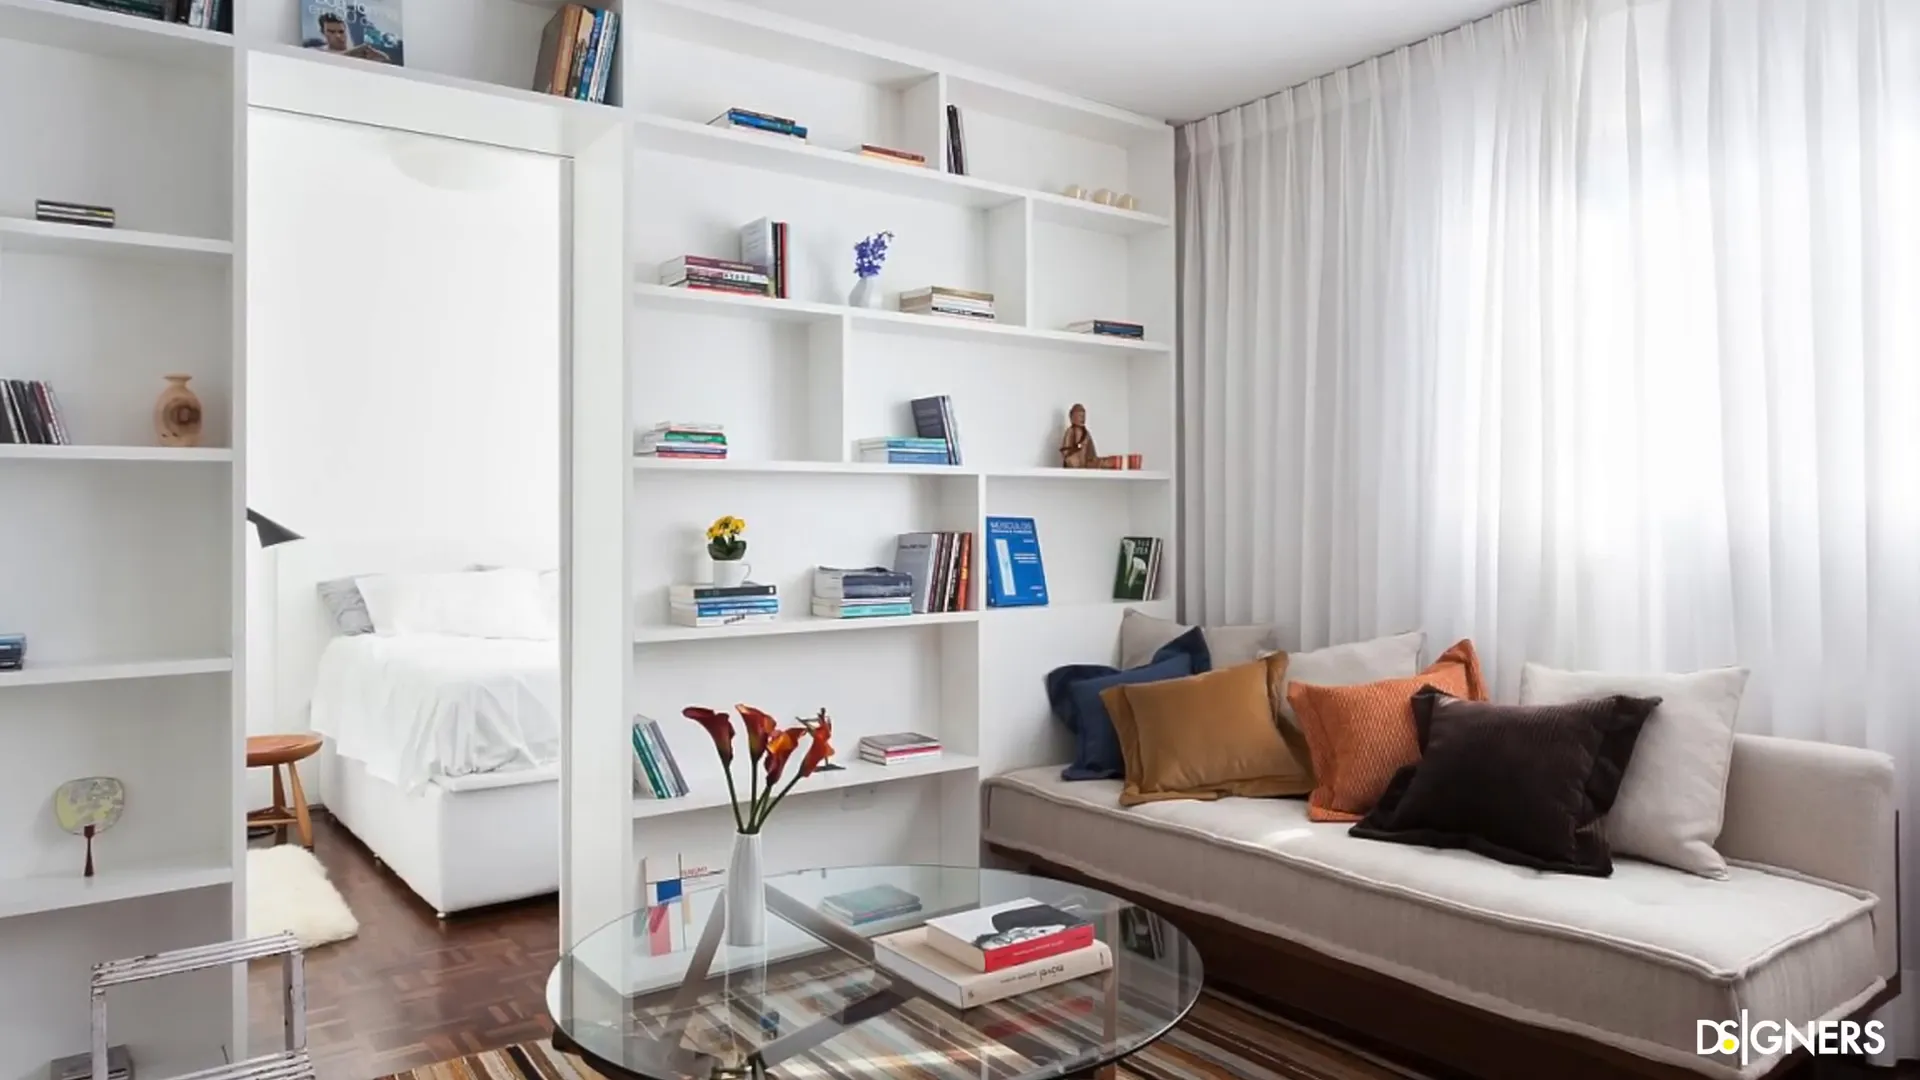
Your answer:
<point x="177" y="417"/>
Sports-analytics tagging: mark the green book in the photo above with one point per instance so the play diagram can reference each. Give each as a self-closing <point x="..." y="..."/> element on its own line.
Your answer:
<point x="646" y="763"/>
<point x="1132" y="576"/>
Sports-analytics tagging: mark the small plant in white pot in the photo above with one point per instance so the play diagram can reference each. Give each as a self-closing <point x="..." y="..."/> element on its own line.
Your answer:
<point x="728" y="550"/>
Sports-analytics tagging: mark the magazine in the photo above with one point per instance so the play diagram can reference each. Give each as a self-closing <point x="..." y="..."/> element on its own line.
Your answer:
<point x="362" y="29"/>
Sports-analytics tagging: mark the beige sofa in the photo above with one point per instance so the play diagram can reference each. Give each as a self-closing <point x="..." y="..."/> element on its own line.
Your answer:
<point x="1614" y="972"/>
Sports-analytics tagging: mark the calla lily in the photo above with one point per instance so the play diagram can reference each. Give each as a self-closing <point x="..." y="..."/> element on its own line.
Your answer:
<point x="779" y="749"/>
<point x="760" y="728"/>
<point x="719" y="729"/>
<point x="821" y="748"/>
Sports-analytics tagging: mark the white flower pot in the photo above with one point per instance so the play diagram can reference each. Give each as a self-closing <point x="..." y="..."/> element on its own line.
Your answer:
<point x="731" y="572"/>
<point x="866" y="293"/>
<point x="746" y="894"/>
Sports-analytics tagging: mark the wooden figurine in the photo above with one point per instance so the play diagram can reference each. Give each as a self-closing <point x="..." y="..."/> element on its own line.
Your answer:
<point x="176" y="416"/>
<point x="1076" y="446"/>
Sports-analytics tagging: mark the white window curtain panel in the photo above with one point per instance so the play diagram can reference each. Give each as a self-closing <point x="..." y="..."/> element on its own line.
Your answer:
<point x="1590" y="331"/>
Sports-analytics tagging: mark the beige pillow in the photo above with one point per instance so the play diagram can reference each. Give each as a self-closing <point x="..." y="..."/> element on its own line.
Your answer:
<point x="1208" y="736"/>
<point x="1141" y="635"/>
<point x="1396" y="657"/>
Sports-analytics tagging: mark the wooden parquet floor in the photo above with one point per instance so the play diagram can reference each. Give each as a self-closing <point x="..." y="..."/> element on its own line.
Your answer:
<point x="411" y="990"/>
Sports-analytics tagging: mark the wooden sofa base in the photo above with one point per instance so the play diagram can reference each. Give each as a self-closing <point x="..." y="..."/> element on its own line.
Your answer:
<point x="1414" y="1027"/>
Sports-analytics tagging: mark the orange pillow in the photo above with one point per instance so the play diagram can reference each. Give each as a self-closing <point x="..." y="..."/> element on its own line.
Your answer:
<point x="1359" y="736"/>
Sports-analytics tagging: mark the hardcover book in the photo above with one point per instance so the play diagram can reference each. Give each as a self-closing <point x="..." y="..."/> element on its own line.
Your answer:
<point x="871" y="904"/>
<point x="1015" y="575"/>
<point x="908" y="955"/>
<point x="1016" y="932"/>
<point x="362" y="29"/>
<point x="1133" y="579"/>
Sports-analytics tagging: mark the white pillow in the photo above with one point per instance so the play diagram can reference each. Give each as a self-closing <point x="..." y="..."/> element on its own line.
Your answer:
<point x="1674" y="795"/>
<point x="485" y="604"/>
<point x="1141" y="635"/>
<point x="1396" y="657"/>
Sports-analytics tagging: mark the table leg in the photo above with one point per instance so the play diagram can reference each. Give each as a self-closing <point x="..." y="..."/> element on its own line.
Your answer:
<point x="300" y="815"/>
<point x="279" y="805"/>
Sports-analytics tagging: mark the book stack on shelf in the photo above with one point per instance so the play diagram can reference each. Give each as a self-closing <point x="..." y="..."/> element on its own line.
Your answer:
<point x="903" y="450"/>
<point x="68" y="213"/>
<point x="1138" y="576"/>
<point x="763" y="244"/>
<point x="576" y="53"/>
<point x="933" y="418"/>
<point x="684" y="440"/>
<point x="876" y="903"/>
<point x="888" y="153"/>
<point x="30" y="414"/>
<point x="655" y="772"/>
<point x="13" y="652"/>
<point x="991" y="953"/>
<point x="896" y="748"/>
<point x="749" y="120"/>
<point x="724" y="605"/>
<point x="1016" y="576"/>
<point x="941" y="564"/>
<point x="703" y="273"/>
<point x="864" y="593"/>
<point x="1109" y="328"/>
<point x="199" y="14"/>
<point x="942" y="300"/>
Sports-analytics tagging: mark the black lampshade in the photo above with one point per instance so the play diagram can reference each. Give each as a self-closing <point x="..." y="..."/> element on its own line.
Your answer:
<point x="271" y="532"/>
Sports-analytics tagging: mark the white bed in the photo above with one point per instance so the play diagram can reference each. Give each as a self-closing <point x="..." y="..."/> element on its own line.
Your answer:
<point x="441" y="752"/>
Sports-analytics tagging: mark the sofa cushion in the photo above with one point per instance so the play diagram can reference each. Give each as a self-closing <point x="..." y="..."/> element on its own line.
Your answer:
<point x="1142" y="635"/>
<point x="1353" y="663"/>
<point x="1207" y="736"/>
<point x="1632" y="961"/>
<point x="1074" y="692"/>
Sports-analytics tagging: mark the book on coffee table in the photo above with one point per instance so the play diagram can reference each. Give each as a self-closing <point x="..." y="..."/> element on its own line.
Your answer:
<point x="909" y="955"/>
<point x="992" y="938"/>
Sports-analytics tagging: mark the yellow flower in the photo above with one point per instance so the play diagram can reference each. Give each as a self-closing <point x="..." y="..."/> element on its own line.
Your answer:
<point x="727" y="526"/>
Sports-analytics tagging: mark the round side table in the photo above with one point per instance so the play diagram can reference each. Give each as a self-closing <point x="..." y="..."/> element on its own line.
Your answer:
<point x="274" y="752"/>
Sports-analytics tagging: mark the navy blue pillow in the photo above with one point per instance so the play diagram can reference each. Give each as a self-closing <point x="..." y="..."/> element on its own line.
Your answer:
<point x="1074" y="693"/>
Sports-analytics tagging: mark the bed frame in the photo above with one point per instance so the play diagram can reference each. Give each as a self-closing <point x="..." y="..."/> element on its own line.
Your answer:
<point x="458" y="844"/>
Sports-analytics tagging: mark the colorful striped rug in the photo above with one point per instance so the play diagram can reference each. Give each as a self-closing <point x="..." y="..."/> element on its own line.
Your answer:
<point x="1222" y="1039"/>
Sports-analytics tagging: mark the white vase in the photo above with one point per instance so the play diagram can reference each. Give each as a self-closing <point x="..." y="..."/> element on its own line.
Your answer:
<point x="866" y="293"/>
<point x="730" y="572"/>
<point x="746" y="894"/>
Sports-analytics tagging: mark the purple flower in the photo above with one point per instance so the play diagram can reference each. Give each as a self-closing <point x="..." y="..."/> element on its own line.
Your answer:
<point x="869" y="254"/>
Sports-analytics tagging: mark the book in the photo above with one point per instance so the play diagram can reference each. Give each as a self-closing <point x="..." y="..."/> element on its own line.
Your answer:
<point x="30" y="414"/>
<point x="872" y="582"/>
<point x="748" y="120"/>
<point x="828" y="609"/>
<point x="361" y="29"/>
<point x="684" y="617"/>
<point x="900" y="740"/>
<point x="645" y="774"/>
<point x="763" y="243"/>
<point x="692" y="593"/>
<point x="948" y="291"/>
<point x="1016" y="576"/>
<point x="933" y="419"/>
<point x="956" y="152"/>
<point x="675" y="777"/>
<point x="871" y="904"/>
<point x="715" y="608"/>
<point x="876" y="757"/>
<point x="1133" y="579"/>
<point x="1002" y="935"/>
<point x="1108" y="328"/>
<point x="908" y="955"/>
<point x="898" y="157"/>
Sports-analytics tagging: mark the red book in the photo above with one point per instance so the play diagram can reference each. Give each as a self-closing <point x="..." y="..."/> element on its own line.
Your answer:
<point x="992" y="938"/>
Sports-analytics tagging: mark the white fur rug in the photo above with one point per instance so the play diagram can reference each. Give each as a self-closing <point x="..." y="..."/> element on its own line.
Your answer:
<point x="287" y="889"/>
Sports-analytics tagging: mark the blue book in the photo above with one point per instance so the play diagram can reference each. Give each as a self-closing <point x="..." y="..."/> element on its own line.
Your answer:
<point x="733" y="607"/>
<point x="1015" y="575"/>
<point x="362" y="29"/>
<point x="898" y="457"/>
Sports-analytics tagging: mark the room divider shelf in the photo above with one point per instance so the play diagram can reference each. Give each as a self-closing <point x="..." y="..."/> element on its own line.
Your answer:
<point x="68" y="26"/>
<point x="800" y="624"/>
<point x="57" y="238"/>
<point x="62" y="674"/>
<point x="59" y="892"/>
<point x="712" y="793"/>
<point x="159" y="455"/>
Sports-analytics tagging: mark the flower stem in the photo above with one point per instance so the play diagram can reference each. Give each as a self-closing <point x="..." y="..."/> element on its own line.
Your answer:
<point x="774" y="803"/>
<point x="733" y="796"/>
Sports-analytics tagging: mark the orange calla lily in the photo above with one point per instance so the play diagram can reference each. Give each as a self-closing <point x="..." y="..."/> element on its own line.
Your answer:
<point x="779" y="749"/>
<point x="760" y="728"/>
<point x="821" y="748"/>
<point x="719" y="729"/>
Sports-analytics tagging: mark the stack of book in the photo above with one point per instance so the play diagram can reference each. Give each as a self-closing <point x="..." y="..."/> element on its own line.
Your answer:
<point x="576" y="53"/>
<point x="941" y="300"/>
<point x="29" y="414"/>
<point x="68" y="213"/>
<point x="875" y="903"/>
<point x="684" y="439"/>
<point x="903" y="450"/>
<point x="941" y="565"/>
<point x="13" y="652"/>
<point x="981" y="956"/>
<point x="896" y="748"/>
<point x="1138" y="576"/>
<point x="1109" y="328"/>
<point x="724" y="605"/>
<point x="655" y="772"/>
<point x="763" y="244"/>
<point x="888" y="153"/>
<point x="865" y="593"/>
<point x="933" y="418"/>
<point x="703" y="273"/>
<point x="759" y="121"/>
<point x="200" y="14"/>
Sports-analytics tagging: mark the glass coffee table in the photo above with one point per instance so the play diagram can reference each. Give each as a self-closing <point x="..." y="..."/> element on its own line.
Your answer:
<point x="660" y="995"/>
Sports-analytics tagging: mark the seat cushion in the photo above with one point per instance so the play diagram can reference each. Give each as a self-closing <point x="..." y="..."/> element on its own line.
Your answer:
<point x="1632" y="961"/>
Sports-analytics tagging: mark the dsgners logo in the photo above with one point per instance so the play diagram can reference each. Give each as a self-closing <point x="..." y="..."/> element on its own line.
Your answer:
<point x="1764" y="1038"/>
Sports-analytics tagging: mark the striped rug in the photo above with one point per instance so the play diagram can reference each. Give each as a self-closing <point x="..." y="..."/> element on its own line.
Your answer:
<point x="1222" y="1039"/>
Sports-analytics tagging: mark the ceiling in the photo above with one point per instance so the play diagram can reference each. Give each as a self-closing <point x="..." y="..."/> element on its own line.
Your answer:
<point x="1176" y="61"/>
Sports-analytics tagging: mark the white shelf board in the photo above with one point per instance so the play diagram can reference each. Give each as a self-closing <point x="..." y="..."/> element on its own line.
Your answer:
<point x="108" y="33"/>
<point x="670" y="298"/>
<point x="818" y="468"/>
<point x="798" y="624"/>
<point x="1097" y="476"/>
<point x="1042" y="107"/>
<point x="34" y="895"/>
<point x="60" y="674"/>
<point x="58" y="238"/>
<point x="713" y="792"/>
<point x="158" y="454"/>
<point x="1052" y="209"/>
<point x="776" y="39"/>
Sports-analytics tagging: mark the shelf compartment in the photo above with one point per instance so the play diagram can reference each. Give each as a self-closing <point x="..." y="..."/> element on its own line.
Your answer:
<point x="59" y="238"/>
<point x="35" y="895"/>
<point x="799" y="624"/>
<point x="63" y="674"/>
<point x="156" y="454"/>
<point x="857" y="773"/>
<point x="108" y="33"/>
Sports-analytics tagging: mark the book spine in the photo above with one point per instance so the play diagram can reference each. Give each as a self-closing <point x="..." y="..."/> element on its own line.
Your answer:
<point x="666" y="754"/>
<point x="646" y="767"/>
<point x="656" y="754"/>
<point x="966" y="572"/>
<point x="719" y="264"/>
<point x="577" y="56"/>
<point x="587" y="73"/>
<point x="1007" y="956"/>
<point x="721" y="592"/>
<point x="956" y="156"/>
<point x="609" y="48"/>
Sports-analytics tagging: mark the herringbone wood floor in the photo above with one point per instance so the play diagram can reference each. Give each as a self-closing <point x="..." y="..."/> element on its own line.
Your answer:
<point x="411" y="990"/>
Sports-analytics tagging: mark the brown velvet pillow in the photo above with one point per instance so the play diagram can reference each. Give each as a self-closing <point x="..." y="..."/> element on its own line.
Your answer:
<point x="1359" y="736"/>
<point x="1208" y="736"/>
<point x="1524" y="784"/>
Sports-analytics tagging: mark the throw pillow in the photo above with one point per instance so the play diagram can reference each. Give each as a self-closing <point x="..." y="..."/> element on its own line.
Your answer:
<point x="346" y="608"/>
<point x="1207" y="736"/>
<point x="483" y="604"/>
<point x="1074" y="693"/>
<point x="1675" y="793"/>
<point x="1141" y="635"/>
<point x="1396" y="657"/>
<point x="1526" y="785"/>
<point x="1359" y="736"/>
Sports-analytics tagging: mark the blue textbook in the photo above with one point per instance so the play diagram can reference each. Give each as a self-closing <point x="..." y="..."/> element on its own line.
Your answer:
<point x="1015" y="575"/>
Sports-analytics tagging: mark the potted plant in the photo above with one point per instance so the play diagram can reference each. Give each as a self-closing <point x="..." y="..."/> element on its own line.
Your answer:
<point x="728" y="551"/>
<point x="869" y="256"/>
<point x="769" y="750"/>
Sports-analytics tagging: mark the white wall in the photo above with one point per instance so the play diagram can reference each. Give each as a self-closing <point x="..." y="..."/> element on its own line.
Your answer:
<point x="404" y="328"/>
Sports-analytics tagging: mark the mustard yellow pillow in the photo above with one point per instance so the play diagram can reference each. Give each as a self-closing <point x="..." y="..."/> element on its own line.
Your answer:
<point x="1208" y="736"/>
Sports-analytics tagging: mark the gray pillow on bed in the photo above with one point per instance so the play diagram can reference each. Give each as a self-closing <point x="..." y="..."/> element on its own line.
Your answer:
<point x="346" y="608"/>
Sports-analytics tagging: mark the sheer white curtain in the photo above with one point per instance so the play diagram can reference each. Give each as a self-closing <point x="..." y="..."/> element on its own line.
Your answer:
<point x="1590" y="331"/>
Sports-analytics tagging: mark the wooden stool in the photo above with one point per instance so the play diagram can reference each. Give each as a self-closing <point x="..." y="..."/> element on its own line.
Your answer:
<point x="271" y="752"/>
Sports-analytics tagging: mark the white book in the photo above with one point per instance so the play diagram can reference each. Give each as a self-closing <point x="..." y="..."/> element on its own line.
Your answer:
<point x="686" y="617"/>
<point x="907" y="955"/>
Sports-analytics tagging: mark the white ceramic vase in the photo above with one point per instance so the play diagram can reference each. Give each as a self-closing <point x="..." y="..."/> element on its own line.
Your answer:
<point x="866" y="293"/>
<point x="746" y="894"/>
<point x="730" y="572"/>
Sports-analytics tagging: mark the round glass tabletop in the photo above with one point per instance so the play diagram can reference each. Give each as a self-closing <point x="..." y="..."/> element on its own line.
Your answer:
<point x="661" y="994"/>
